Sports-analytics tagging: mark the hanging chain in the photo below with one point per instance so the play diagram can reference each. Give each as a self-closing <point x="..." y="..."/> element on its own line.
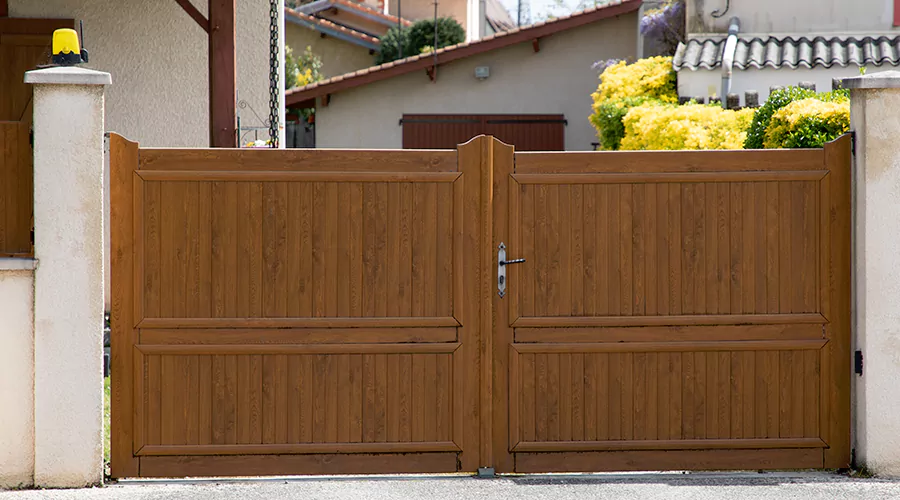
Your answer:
<point x="274" y="107"/>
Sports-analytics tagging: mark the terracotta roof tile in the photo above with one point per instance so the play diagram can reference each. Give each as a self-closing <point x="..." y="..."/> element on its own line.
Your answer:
<point x="331" y="25"/>
<point x="800" y="52"/>
<point x="365" y="8"/>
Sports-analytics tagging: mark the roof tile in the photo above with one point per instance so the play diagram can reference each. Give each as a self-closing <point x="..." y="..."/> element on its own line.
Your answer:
<point x="774" y="52"/>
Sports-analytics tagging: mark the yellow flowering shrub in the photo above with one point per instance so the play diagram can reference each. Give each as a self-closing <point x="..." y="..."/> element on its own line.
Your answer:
<point x="305" y="77"/>
<point x="808" y="123"/>
<point x="623" y="86"/>
<point x="652" y="77"/>
<point x="655" y="126"/>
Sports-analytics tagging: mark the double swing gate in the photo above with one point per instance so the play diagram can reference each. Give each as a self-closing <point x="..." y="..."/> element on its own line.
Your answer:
<point x="324" y="311"/>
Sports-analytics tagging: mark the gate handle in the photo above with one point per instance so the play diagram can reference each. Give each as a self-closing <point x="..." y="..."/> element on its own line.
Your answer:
<point x="501" y="268"/>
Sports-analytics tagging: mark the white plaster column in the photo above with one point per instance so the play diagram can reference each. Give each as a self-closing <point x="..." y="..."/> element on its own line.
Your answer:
<point x="875" y="101"/>
<point x="16" y="372"/>
<point x="68" y="309"/>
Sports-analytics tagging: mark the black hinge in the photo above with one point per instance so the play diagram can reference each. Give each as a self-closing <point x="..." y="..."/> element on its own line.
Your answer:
<point x="852" y="142"/>
<point x="858" y="362"/>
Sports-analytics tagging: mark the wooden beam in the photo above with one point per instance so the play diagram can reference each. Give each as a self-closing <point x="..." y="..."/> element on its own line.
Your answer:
<point x="222" y="75"/>
<point x="194" y="13"/>
<point x="536" y="44"/>
<point x="28" y="26"/>
<point x="326" y="99"/>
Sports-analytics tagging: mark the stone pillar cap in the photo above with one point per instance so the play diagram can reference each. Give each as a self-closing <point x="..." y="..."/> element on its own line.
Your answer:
<point x="68" y="75"/>
<point x="883" y="80"/>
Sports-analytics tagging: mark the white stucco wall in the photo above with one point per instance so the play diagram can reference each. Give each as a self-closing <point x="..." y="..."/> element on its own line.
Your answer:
<point x="706" y="83"/>
<point x="68" y="283"/>
<point x="158" y="57"/>
<point x="877" y="277"/>
<point x="557" y="80"/>
<point x="16" y="373"/>
<point x="793" y="16"/>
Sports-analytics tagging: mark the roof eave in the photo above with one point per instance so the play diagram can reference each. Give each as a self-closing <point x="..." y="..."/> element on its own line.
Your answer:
<point x="328" y="31"/>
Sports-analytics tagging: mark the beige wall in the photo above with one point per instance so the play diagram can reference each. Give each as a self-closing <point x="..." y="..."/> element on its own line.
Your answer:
<point x="338" y="57"/>
<point x="415" y="10"/>
<point x="16" y="373"/>
<point x="558" y="79"/>
<point x="157" y="55"/>
<point x="793" y="16"/>
<point x="705" y="83"/>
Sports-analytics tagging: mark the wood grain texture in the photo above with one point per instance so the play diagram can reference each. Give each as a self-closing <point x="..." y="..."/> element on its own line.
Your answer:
<point x="272" y="280"/>
<point x="337" y="311"/>
<point x="308" y="307"/>
<point x="261" y="400"/>
<point x="707" y="398"/>
<point x="698" y="305"/>
<point x="123" y="163"/>
<point x="716" y="250"/>
<point x="269" y="465"/>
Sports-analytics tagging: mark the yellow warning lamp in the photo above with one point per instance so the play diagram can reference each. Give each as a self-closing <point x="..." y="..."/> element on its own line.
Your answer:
<point x="66" y="49"/>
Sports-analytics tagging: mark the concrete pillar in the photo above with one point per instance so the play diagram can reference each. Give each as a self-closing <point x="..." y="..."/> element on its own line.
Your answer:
<point x="68" y="309"/>
<point x="16" y="373"/>
<point x="876" y="265"/>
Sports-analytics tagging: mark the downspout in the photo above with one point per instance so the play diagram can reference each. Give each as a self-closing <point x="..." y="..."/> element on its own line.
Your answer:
<point x="734" y="27"/>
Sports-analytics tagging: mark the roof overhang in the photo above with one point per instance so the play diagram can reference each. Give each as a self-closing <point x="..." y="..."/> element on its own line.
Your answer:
<point x="314" y="8"/>
<point x="332" y="30"/>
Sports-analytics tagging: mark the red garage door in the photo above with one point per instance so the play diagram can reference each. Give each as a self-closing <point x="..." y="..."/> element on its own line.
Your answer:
<point x="526" y="132"/>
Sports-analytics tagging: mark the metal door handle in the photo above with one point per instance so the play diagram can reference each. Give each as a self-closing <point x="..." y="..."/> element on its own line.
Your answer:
<point x="501" y="269"/>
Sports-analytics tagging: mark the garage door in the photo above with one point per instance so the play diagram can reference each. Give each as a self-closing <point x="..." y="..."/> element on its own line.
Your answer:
<point x="527" y="132"/>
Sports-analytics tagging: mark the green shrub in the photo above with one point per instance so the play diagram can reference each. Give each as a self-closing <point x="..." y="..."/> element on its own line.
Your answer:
<point x="607" y="119"/>
<point x="756" y="136"/>
<point x="808" y="123"/>
<point x="414" y="38"/>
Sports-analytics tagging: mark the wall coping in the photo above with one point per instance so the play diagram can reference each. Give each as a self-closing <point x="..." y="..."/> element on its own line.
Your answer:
<point x="884" y="80"/>
<point x="18" y="264"/>
<point x="68" y="75"/>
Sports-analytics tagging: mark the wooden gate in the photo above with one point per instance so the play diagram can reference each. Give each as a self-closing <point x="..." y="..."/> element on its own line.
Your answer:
<point x="676" y="310"/>
<point x="327" y="311"/>
<point x="294" y="311"/>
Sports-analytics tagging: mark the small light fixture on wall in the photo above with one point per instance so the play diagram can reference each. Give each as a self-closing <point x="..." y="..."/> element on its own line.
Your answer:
<point x="482" y="72"/>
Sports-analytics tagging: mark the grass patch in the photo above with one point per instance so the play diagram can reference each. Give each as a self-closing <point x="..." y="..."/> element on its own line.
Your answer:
<point x="106" y="420"/>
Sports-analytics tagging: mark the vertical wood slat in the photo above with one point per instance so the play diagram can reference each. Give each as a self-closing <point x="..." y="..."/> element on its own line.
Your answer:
<point x="16" y="188"/>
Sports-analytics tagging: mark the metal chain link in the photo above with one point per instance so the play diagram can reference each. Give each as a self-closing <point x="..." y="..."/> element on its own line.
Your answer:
<point x="273" y="73"/>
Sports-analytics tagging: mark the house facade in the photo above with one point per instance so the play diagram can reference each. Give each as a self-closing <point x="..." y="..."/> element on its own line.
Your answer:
<point x="522" y="86"/>
<point x="784" y="43"/>
<point x="346" y="34"/>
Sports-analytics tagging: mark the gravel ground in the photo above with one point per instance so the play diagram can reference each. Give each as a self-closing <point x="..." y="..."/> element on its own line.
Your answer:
<point x="639" y="486"/>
